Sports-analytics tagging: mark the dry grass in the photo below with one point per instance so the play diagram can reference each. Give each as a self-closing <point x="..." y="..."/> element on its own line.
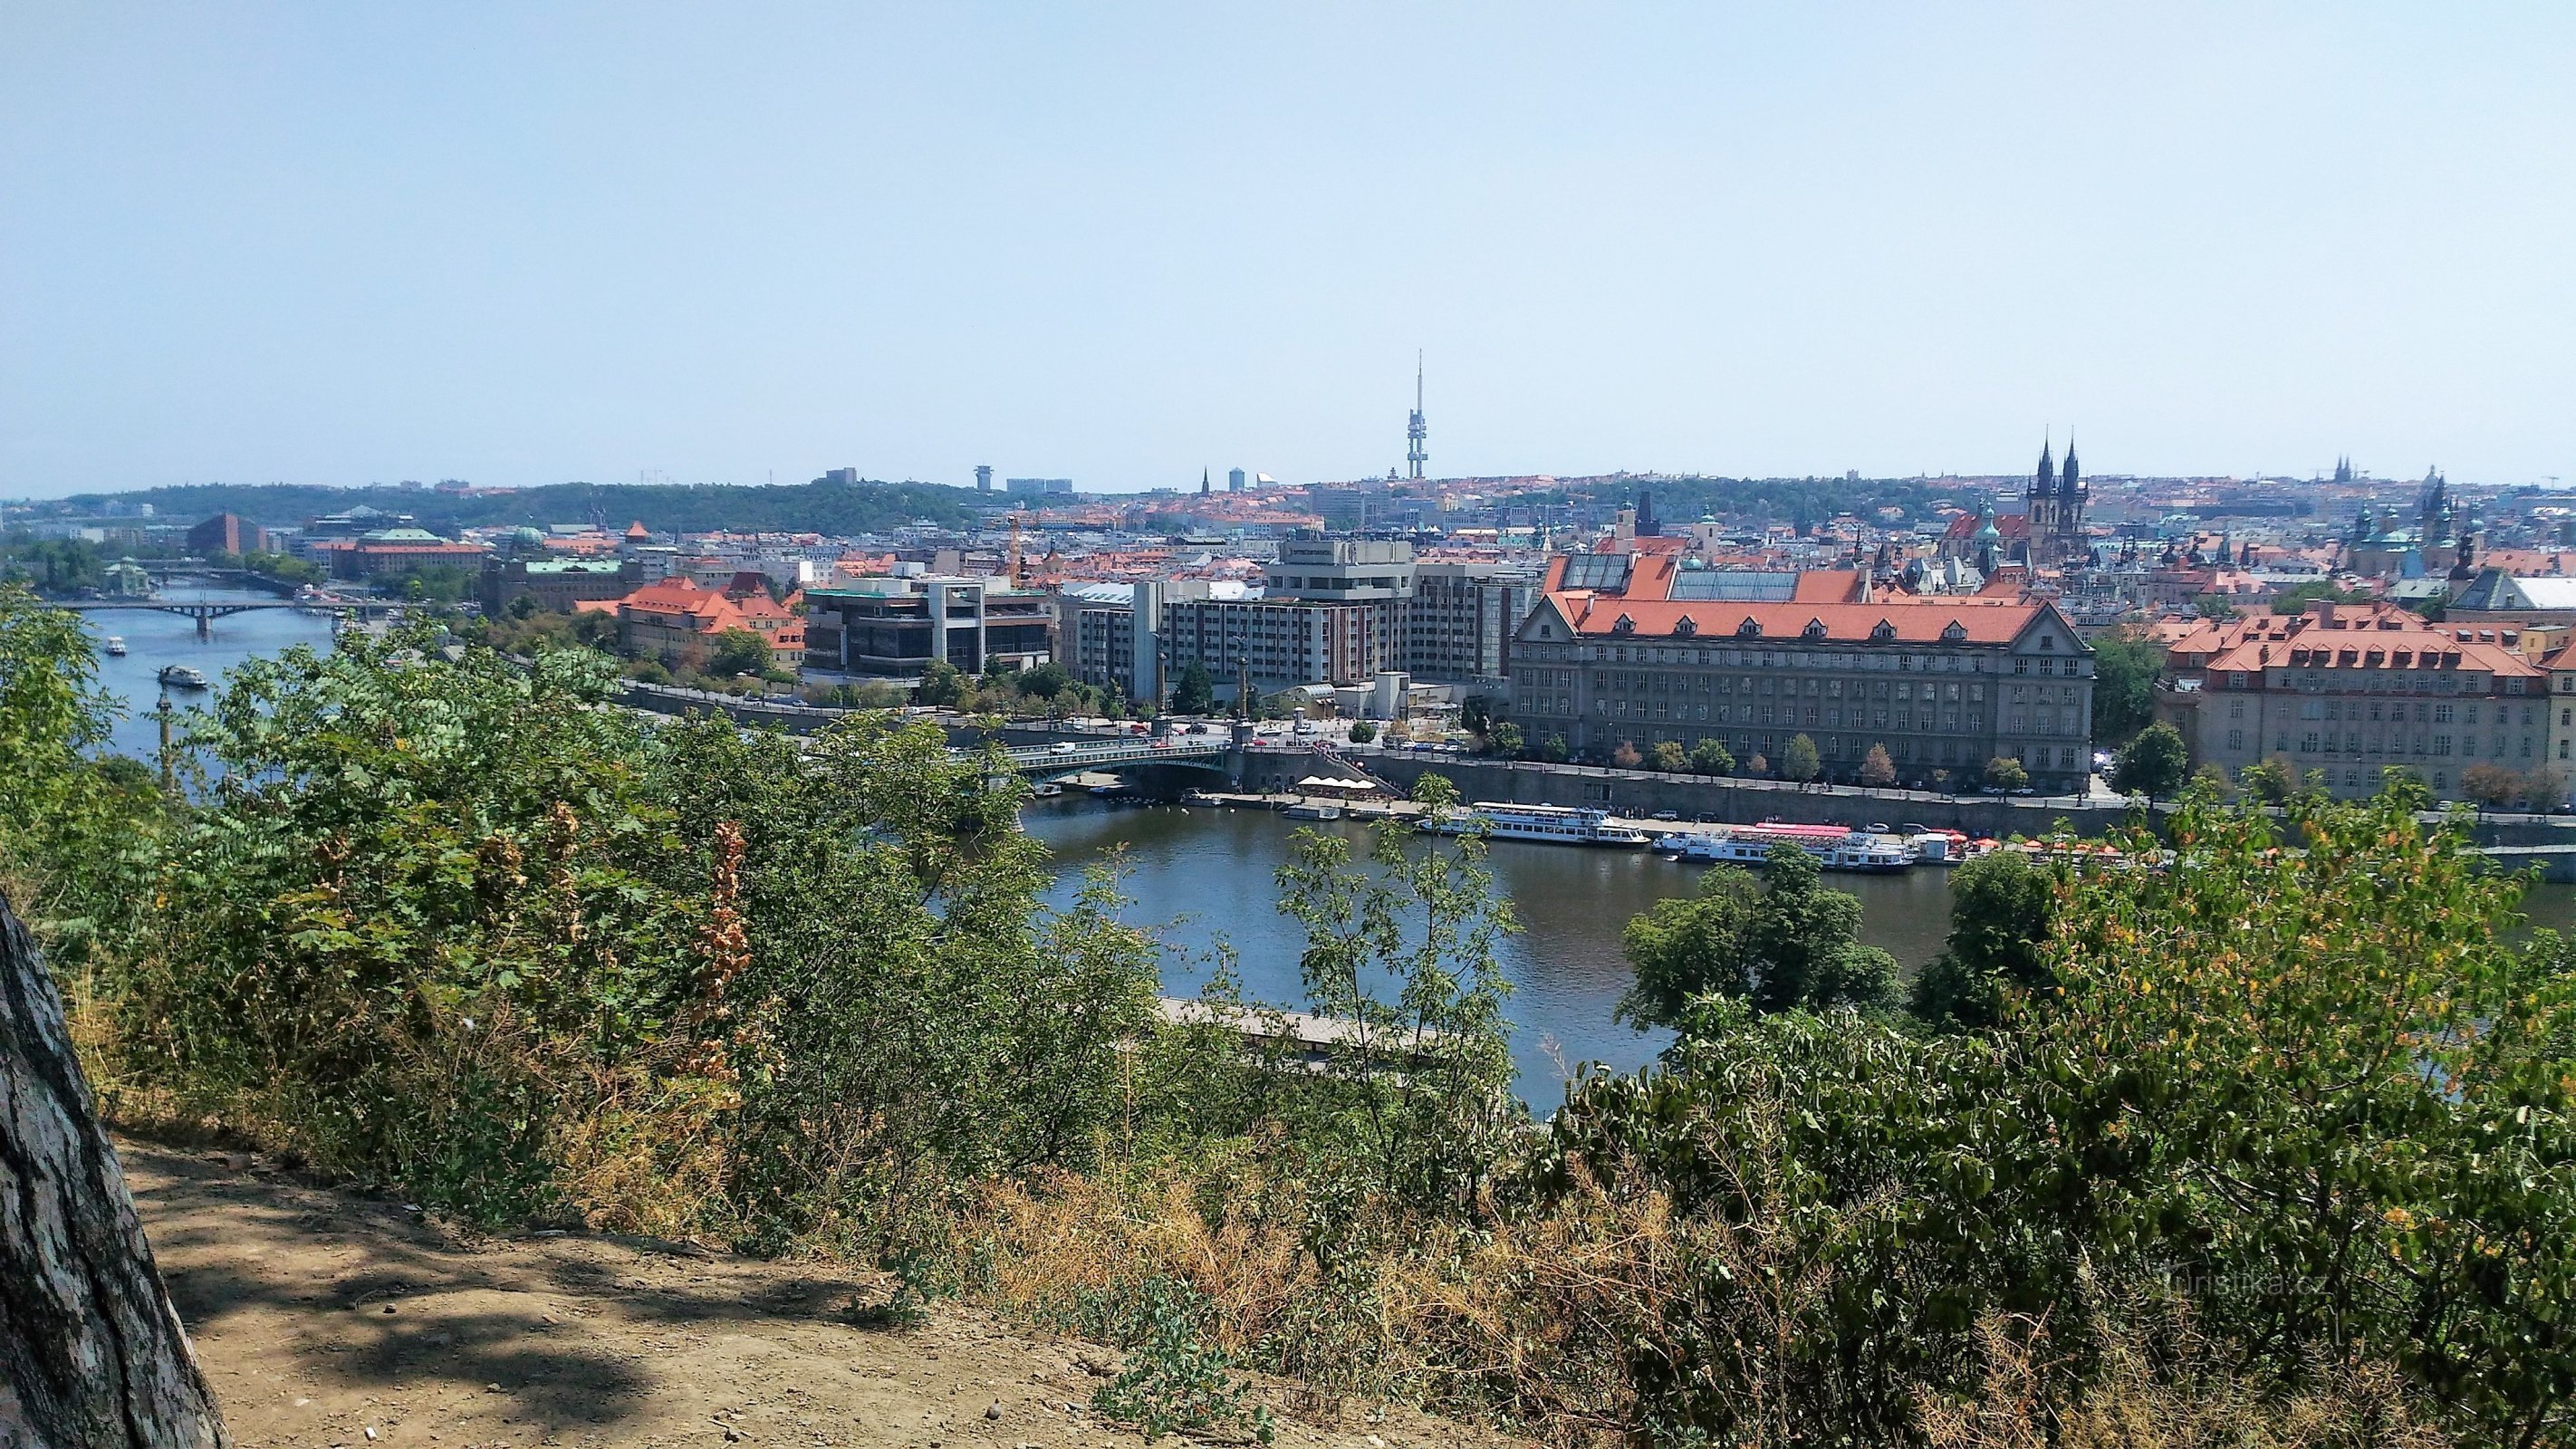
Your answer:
<point x="2195" y="1404"/>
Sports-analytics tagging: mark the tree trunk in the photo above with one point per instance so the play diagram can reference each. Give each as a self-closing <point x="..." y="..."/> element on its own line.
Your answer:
<point x="91" y="1351"/>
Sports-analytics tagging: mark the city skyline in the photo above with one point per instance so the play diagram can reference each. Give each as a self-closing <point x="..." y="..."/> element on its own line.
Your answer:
<point x="519" y="247"/>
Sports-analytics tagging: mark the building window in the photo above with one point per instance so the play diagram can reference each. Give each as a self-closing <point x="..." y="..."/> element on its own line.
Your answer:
<point x="2235" y="740"/>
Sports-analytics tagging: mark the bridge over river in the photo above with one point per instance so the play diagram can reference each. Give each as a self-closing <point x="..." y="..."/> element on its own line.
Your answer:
<point x="1072" y="757"/>
<point x="207" y="611"/>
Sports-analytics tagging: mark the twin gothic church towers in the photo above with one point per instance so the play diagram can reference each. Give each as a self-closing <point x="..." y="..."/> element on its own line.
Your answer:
<point x="2055" y="499"/>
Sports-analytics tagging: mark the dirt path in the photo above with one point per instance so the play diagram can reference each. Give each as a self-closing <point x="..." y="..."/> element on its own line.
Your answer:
<point x="330" y="1320"/>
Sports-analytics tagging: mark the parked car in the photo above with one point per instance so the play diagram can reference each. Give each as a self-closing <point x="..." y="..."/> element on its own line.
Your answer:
<point x="1063" y="747"/>
<point x="1668" y="815"/>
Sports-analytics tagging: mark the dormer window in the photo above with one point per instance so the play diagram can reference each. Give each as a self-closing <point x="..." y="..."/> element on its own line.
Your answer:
<point x="1751" y="628"/>
<point x="1953" y="632"/>
<point x="1815" y="629"/>
<point x="1685" y="626"/>
<point x="1623" y="626"/>
<point x="1882" y="632"/>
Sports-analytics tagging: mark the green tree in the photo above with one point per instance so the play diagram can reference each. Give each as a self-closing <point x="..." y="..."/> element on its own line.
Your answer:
<point x="2000" y="907"/>
<point x="2212" y="606"/>
<point x="53" y="566"/>
<point x="1043" y="681"/>
<point x="2352" y="1070"/>
<point x="2003" y="772"/>
<point x="1710" y="757"/>
<point x="2125" y="665"/>
<point x="1503" y="741"/>
<point x="738" y="651"/>
<point x="1669" y="757"/>
<point x="2153" y="764"/>
<point x="1423" y="1079"/>
<point x="1362" y="732"/>
<point x="2271" y="782"/>
<point x="74" y="828"/>
<point x="1876" y="769"/>
<point x="1799" y="761"/>
<point x="942" y="684"/>
<point x="1553" y="749"/>
<point x="2295" y="598"/>
<point x="1475" y="714"/>
<point x="1784" y="944"/>
<point x="1196" y="692"/>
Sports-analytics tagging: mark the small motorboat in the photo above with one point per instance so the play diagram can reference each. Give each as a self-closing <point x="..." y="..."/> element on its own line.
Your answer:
<point x="115" y="646"/>
<point x="182" y="676"/>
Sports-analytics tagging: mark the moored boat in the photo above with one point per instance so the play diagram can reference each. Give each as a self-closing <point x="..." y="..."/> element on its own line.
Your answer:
<point x="1549" y="824"/>
<point x="1835" y="847"/>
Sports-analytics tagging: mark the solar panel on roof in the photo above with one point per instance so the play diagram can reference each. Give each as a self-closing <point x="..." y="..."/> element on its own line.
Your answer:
<point x="1737" y="585"/>
<point x="1605" y="572"/>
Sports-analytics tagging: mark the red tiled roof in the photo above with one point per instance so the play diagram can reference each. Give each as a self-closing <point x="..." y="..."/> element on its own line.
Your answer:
<point x="1829" y="586"/>
<point x="2009" y="525"/>
<point x="2349" y="636"/>
<point x="1924" y="622"/>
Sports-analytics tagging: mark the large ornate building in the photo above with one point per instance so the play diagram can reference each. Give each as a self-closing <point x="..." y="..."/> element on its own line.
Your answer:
<point x="1629" y="649"/>
<point x="2344" y="691"/>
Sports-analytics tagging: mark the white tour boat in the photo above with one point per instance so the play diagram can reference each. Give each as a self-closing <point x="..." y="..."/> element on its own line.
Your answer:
<point x="1556" y="824"/>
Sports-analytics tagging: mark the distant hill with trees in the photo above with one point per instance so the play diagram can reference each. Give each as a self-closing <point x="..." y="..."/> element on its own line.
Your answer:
<point x="821" y="506"/>
<point x="1778" y="500"/>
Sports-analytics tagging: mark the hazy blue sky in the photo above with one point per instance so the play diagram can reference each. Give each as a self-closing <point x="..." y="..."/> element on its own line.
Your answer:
<point x="522" y="243"/>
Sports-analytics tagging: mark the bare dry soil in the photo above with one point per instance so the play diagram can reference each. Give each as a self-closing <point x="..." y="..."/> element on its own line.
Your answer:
<point x="336" y="1321"/>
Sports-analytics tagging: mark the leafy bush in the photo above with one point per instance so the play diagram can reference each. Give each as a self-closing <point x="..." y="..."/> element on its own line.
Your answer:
<point x="1176" y="1383"/>
<point x="451" y="925"/>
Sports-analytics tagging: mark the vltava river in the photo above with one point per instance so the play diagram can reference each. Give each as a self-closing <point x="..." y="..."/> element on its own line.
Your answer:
<point x="1205" y="874"/>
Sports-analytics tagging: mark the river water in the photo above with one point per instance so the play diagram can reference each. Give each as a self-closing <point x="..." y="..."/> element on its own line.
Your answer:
<point x="153" y="640"/>
<point x="1204" y="875"/>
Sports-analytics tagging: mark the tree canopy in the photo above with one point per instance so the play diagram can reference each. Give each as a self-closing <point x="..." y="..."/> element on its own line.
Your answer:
<point x="1777" y="942"/>
<point x="2153" y="764"/>
<point x="2125" y="665"/>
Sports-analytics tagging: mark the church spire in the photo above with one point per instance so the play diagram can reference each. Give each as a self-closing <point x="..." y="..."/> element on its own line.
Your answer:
<point x="2046" y="479"/>
<point x="2070" y="478"/>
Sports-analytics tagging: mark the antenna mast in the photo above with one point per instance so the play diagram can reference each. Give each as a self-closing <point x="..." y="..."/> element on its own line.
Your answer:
<point x="1416" y="434"/>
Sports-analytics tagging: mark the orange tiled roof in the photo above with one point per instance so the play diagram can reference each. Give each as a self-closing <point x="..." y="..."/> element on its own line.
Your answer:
<point x="1915" y="622"/>
<point x="2348" y="636"/>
